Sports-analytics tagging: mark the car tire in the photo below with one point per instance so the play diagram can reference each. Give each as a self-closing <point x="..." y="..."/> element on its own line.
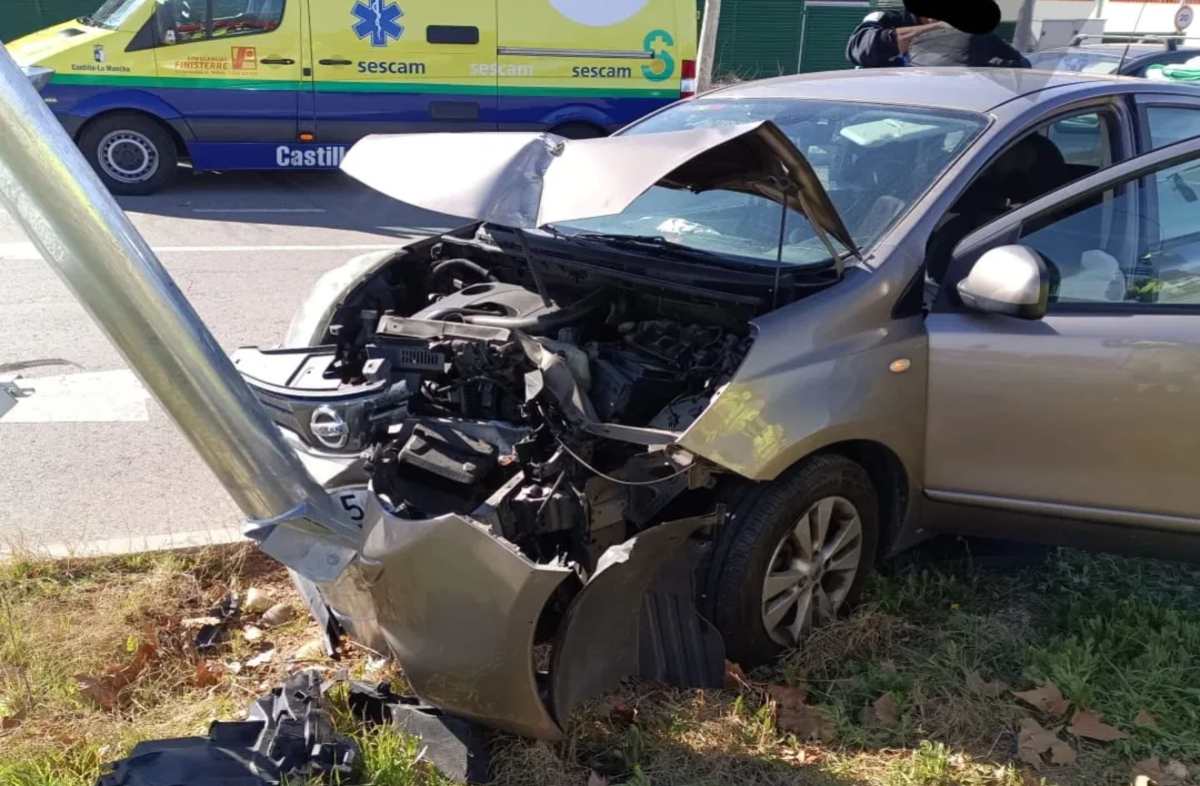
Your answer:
<point x="578" y="131"/>
<point x="764" y="537"/>
<point x="133" y="154"/>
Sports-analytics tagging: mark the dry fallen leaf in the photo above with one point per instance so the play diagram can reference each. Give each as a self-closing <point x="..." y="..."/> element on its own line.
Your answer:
<point x="622" y="714"/>
<point x="1144" y="720"/>
<point x="1090" y="726"/>
<point x="980" y="687"/>
<point x="735" y="678"/>
<point x="10" y="722"/>
<point x="787" y="696"/>
<point x="1046" y="698"/>
<point x="886" y="711"/>
<point x="207" y="674"/>
<point x="1177" y="770"/>
<point x="105" y="690"/>
<point x="806" y="722"/>
<point x="310" y="650"/>
<point x="261" y="659"/>
<point x="278" y="614"/>
<point x="1061" y="754"/>
<point x="251" y="633"/>
<point x="1151" y="771"/>
<point x="256" y="602"/>
<point x="1033" y="741"/>
<point x="200" y="622"/>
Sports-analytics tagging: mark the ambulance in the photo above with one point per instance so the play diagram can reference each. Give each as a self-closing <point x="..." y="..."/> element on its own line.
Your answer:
<point x="292" y="84"/>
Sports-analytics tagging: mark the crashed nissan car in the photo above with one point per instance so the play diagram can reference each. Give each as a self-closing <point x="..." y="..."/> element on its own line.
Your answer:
<point x="663" y="398"/>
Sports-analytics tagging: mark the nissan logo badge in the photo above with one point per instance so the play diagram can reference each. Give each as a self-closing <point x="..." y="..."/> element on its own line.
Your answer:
<point x="329" y="428"/>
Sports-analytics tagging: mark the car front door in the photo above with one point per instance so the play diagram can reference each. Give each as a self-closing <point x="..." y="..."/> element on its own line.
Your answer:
<point x="1090" y="412"/>
<point x="231" y="67"/>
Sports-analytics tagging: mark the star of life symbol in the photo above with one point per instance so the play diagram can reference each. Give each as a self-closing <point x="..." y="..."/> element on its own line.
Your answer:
<point x="378" y="20"/>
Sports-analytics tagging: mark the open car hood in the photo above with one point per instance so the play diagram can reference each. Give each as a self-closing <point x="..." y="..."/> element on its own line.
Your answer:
<point x="529" y="180"/>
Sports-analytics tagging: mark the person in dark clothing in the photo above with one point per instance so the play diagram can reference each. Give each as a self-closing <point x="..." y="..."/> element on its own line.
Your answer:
<point x="899" y="38"/>
<point x="883" y="38"/>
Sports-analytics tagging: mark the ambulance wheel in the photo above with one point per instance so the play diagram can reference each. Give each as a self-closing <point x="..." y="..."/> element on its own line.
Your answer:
<point x="133" y="154"/>
<point x="578" y="131"/>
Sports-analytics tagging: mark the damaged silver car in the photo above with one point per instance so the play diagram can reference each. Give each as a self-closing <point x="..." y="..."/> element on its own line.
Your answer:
<point x="534" y="414"/>
<point x="666" y="397"/>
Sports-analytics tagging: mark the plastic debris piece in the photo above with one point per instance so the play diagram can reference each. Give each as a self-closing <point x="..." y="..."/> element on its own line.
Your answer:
<point x="456" y="747"/>
<point x="288" y="735"/>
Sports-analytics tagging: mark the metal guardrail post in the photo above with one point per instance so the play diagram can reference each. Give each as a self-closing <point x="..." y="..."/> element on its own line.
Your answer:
<point x="89" y="242"/>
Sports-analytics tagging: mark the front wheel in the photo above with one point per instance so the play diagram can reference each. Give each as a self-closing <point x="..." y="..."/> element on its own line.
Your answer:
<point x="795" y="555"/>
<point x="134" y="155"/>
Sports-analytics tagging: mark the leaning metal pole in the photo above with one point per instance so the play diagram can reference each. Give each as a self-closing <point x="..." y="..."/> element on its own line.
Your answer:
<point x="81" y="232"/>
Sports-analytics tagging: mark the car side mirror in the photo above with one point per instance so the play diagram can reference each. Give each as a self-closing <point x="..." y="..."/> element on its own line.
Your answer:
<point x="1010" y="280"/>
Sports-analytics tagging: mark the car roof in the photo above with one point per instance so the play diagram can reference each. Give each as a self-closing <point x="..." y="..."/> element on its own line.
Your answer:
<point x="972" y="89"/>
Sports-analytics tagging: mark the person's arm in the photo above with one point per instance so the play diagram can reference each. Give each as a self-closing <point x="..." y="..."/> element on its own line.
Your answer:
<point x="881" y="38"/>
<point x="873" y="42"/>
<point x="906" y="35"/>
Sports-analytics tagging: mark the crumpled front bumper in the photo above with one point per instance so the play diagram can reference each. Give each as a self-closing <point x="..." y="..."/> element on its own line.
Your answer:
<point x="458" y="607"/>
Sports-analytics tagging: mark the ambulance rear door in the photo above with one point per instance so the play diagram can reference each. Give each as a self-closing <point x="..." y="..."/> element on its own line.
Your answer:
<point x="232" y="69"/>
<point x="572" y="65"/>
<point x="390" y="66"/>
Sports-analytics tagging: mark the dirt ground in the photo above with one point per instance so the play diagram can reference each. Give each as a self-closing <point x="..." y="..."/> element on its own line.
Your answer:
<point x="1052" y="667"/>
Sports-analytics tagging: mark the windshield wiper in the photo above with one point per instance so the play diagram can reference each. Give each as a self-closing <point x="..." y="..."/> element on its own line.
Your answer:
<point x="727" y="261"/>
<point x="647" y="241"/>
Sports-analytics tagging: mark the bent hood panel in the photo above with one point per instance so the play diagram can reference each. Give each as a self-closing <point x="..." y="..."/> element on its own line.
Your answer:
<point x="529" y="180"/>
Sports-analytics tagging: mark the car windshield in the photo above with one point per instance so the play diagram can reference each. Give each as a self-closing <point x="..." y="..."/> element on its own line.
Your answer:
<point x="1076" y="61"/>
<point x="112" y="14"/>
<point x="874" y="160"/>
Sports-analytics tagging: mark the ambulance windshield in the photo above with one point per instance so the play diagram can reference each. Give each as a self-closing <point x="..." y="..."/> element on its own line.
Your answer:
<point x="112" y="14"/>
<point x="873" y="160"/>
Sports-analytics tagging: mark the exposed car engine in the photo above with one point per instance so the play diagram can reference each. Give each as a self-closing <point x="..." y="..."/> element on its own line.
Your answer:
<point x="458" y="387"/>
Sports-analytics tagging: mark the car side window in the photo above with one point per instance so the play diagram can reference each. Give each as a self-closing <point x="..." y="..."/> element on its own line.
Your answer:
<point x="1085" y="141"/>
<point x="1044" y="159"/>
<point x="186" y="21"/>
<point x="1171" y="124"/>
<point x="1134" y="245"/>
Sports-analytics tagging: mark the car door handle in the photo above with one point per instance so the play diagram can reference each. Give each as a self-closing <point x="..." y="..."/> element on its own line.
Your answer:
<point x="336" y="62"/>
<point x="277" y="61"/>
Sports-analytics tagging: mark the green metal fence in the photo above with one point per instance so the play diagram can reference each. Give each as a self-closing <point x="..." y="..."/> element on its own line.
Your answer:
<point x="25" y="16"/>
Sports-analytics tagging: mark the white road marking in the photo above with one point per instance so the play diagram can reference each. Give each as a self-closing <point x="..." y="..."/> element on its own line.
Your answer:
<point x="90" y="397"/>
<point x="259" y="210"/>
<point x="131" y="544"/>
<point x="22" y="252"/>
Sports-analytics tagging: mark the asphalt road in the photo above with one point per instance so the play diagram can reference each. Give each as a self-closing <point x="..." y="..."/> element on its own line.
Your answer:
<point x="88" y="463"/>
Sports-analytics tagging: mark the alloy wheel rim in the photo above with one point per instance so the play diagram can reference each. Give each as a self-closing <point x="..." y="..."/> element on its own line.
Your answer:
<point x="128" y="156"/>
<point x="811" y="570"/>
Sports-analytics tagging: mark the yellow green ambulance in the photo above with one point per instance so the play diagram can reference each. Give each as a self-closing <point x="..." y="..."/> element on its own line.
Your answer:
<point x="291" y="84"/>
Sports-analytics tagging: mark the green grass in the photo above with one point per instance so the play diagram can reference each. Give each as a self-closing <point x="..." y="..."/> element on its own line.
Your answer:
<point x="1117" y="636"/>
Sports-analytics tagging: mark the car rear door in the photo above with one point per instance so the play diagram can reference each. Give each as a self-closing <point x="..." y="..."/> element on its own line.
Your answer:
<point x="1091" y="412"/>
<point x="1167" y="118"/>
<point x="571" y="64"/>
<point x="389" y="66"/>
